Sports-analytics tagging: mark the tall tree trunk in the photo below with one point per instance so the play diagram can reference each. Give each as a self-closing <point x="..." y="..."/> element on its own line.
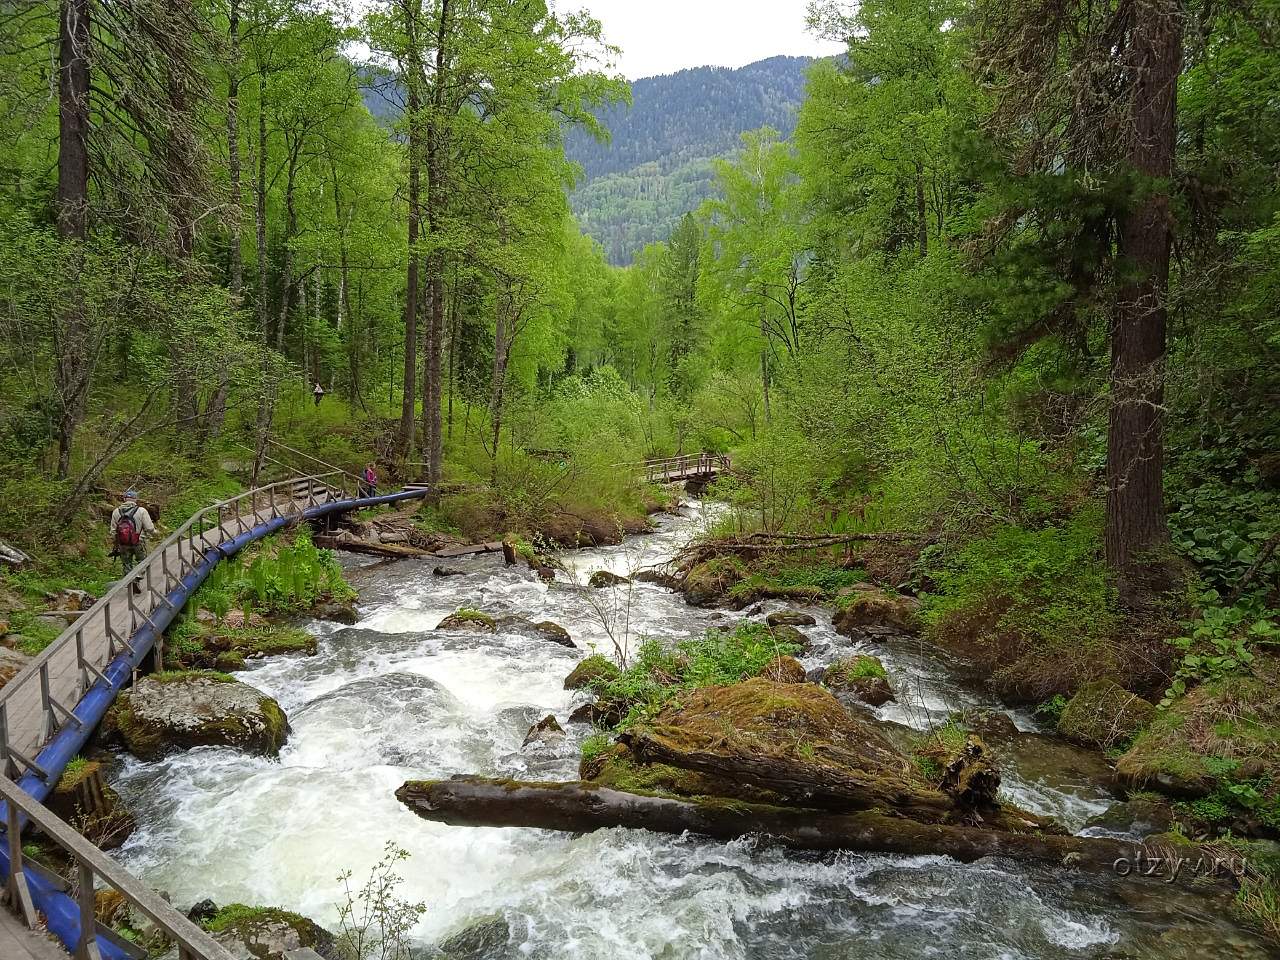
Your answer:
<point x="180" y="172"/>
<point x="72" y="348"/>
<point x="500" y="350"/>
<point x="260" y="217"/>
<point x="290" y="230"/>
<point x="412" y="11"/>
<point x="436" y="175"/>
<point x="235" y="260"/>
<point x="1135" y="521"/>
<point x="765" y="376"/>
<point x="454" y="319"/>
<point x="922" y="215"/>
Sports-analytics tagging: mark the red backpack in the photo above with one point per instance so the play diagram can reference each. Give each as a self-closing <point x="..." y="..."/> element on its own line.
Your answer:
<point x="127" y="533"/>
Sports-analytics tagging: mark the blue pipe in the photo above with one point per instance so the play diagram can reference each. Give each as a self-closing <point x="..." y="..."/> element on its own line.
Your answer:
<point x="61" y="912"/>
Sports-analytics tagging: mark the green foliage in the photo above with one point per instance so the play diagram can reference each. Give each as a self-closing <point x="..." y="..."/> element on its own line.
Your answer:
<point x="858" y="668"/>
<point x="375" y="921"/>
<point x="1051" y="710"/>
<point x="595" y="745"/>
<point x="823" y="577"/>
<point x="284" y="578"/>
<point x="1220" y="643"/>
<point x="657" y="673"/>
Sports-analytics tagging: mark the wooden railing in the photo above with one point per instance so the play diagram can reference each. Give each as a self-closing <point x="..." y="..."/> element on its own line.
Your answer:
<point x="671" y="469"/>
<point x="92" y="865"/>
<point x="37" y="702"/>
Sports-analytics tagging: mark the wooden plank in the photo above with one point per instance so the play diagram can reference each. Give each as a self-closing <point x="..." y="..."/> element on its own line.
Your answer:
<point x="19" y="943"/>
<point x="469" y="550"/>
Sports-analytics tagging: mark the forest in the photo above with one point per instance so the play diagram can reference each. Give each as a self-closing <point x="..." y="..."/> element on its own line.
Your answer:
<point x="997" y="324"/>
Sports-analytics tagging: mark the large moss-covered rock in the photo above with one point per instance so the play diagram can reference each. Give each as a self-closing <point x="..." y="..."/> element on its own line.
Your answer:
<point x="268" y="933"/>
<point x="785" y="670"/>
<point x="707" y="583"/>
<point x="468" y="621"/>
<point x="482" y="939"/>
<point x="595" y="672"/>
<point x="790" y="618"/>
<point x="1104" y="714"/>
<point x="169" y="712"/>
<point x="877" y="614"/>
<point x="522" y="627"/>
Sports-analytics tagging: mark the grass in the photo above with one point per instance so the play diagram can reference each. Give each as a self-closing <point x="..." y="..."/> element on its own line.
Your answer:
<point x="857" y="668"/>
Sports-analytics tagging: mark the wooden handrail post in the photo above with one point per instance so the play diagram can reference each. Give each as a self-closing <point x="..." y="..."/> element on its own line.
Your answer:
<point x="19" y="895"/>
<point x="88" y="946"/>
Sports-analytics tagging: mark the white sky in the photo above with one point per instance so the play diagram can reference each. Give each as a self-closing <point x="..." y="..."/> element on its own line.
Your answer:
<point x="663" y="36"/>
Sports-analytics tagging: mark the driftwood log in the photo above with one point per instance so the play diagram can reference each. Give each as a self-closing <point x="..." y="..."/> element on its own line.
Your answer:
<point x="583" y="807"/>
<point x="394" y="551"/>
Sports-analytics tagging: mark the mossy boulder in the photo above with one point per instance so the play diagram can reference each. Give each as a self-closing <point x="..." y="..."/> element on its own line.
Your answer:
<point x="593" y="672"/>
<point x="169" y="712"/>
<point x="1104" y="714"/>
<point x="468" y="621"/>
<point x="1225" y="730"/>
<point x="546" y="730"/>
<point x="877" y="614"/>
<point x="862" y="677"/>
<point x="481" y="939"/>
<point x="82" y="799"/>
<point x="787" y="634"/>
<point x="707" y="583"/>
<point x="268" y="933"/>
<point x="785" y="670"/>
<point x="522" y="627"/>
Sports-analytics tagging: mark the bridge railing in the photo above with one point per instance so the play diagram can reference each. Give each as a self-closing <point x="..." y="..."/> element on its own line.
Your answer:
<point x="683" y="467"/>
<point x="38" y="701"/>
<point x="92" y="865"/>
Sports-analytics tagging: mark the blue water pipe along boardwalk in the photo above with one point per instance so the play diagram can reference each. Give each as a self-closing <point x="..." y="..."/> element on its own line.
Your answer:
<point x="49" y="710"/>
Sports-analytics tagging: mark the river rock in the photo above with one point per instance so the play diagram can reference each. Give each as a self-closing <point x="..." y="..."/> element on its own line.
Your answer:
<point x="170" y="712"/>
<point x="862" y="677"/>
<point x="785" y="670"/>
<point x="657" y="577"/>
<point x="202" y="911"/>
<point x="91" y="806"/>
<point x="605" y="578"/>
<point x="468" y="621"/>
<point x="344" y="613"/>
<point x="268" y="933"/>
<point x="790" y="635"/>
<point x="544" y="630"/>
<point x="593" y="671"/>
<point x="447" y="572"/>
<point x="1136" y="818"/>
<point x="878" y="614"/>
<point x="1104" y="714"/>
<point x="790" y="618"/>
<point x="479" y="940"/>
<point x="544" y="731"/>
<point x="992" y="725"/>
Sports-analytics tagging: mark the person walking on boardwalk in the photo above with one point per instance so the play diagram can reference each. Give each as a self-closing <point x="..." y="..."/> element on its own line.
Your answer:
<point x="130" y="525"/>
<point x="369" y="483"/>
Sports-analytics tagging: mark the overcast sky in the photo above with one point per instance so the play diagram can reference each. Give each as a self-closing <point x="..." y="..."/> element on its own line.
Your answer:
<point x="663" y="36"/>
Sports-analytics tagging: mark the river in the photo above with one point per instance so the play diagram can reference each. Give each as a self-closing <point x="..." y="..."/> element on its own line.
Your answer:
<point x="390" y="699"/>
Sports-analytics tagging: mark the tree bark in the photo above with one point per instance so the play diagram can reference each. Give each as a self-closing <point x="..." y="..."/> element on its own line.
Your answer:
<point x="290" y="229"/>
<point x="71" y="333"/>
<point x="260" y="215"/>
<point x="922" y="214"/>
<point x="1135" y="519"/>
<point x="436" y="155"/>
<point x="235" y="259"/>
<point x="413" y="67"/>
<point x="582" y="807"/>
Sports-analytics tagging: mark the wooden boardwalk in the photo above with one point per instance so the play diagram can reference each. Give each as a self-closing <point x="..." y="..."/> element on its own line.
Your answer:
<point x="694" y="466"/>
<point x="19" y="943"/>
<point x="39" y="700"/>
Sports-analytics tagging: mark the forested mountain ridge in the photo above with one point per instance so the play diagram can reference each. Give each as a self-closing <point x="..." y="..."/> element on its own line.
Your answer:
<point x="656" y="166"/>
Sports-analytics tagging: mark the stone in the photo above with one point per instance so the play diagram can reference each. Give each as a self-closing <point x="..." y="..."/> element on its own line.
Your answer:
<point x="166" y="713"/>
<point x="790" y="635"/>
<point x="790" y="618"/>
<point x="269" y="933"/>
<point x="479" y="940"/>
<point x="604" y="578"/>
<point x="785" y="670"/>
<point x="593" y="671"/>
<point x="468" y="621"/>
<point x="878" y="614"/>
<point x="447" y="572"/>
<point x="202" y="912"/>
<point x="544" y="630"/>
<point x="656" y="577"/>
<point x="12" y="662"/>
<point x="1104" y="714"/>
<point x="544" y="731"/>
<point x="862" y="677"/>
<point x="344" y="613"/>
<point x="82" y="799"/>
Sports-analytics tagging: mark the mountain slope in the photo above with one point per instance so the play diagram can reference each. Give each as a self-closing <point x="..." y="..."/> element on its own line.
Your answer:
<point x="658" y="164"/>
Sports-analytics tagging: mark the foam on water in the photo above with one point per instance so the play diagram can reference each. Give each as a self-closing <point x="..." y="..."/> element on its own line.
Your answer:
<point x="390" y="700"/>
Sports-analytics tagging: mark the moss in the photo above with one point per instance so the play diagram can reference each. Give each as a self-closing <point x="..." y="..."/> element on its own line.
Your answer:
<point x="1104" y="714"/>
<point x="864" y="610"/>
<point x="253" y="927"/>
<point x="856" y="667"/>
<point x="710" y="581"/>
<point x="467" y="619"/>
<point x="176" y="676"/>
<point x="595" y="672"/>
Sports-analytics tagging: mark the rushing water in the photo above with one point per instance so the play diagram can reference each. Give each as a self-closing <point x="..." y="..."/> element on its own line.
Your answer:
<point x="390" y="700"/>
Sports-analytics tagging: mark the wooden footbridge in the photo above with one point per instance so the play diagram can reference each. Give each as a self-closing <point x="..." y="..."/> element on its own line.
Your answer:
<point x="703" y="467"/>
<point x="48" y="711"/>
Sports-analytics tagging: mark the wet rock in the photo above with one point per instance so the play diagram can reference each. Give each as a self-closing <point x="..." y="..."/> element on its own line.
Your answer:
<point x="165" y="713"/>
<point x="468" y="621"/>
<point x="545" y="630"/>
<point x="990" y="724"/>
<point x="815" y="674"/>
<point x="861" y="677"/>
<point x="479" y="940"/>
<point x="447" y="572"/>
<point x="545" y="573"/>
<point x="1135" y="818"/>
<point x="790" y="635"/>
<point x="658" y="577"/>
<point x="344" y="613"/>
<point x="878" y="614"/>
<point x="269" y="933"/>
<point x="707" y="583"/>
<point x="790" y="618"/>
<point x="785" y="670"/>
<point x="604" y="578"/>
<point x="598" y="714"/>
<point x="548" y="630"/>
<point x="544" y="731"/>
<point x="1104" y="714"/>
<point x="595" y="671"/>
<point x="202" y="912"/>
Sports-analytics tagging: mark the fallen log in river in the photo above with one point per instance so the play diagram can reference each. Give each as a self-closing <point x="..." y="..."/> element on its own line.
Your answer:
<point x="584" y="807"/>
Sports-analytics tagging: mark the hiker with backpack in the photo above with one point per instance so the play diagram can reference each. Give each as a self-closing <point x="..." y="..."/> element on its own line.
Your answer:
<point x="130" y="524"/>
